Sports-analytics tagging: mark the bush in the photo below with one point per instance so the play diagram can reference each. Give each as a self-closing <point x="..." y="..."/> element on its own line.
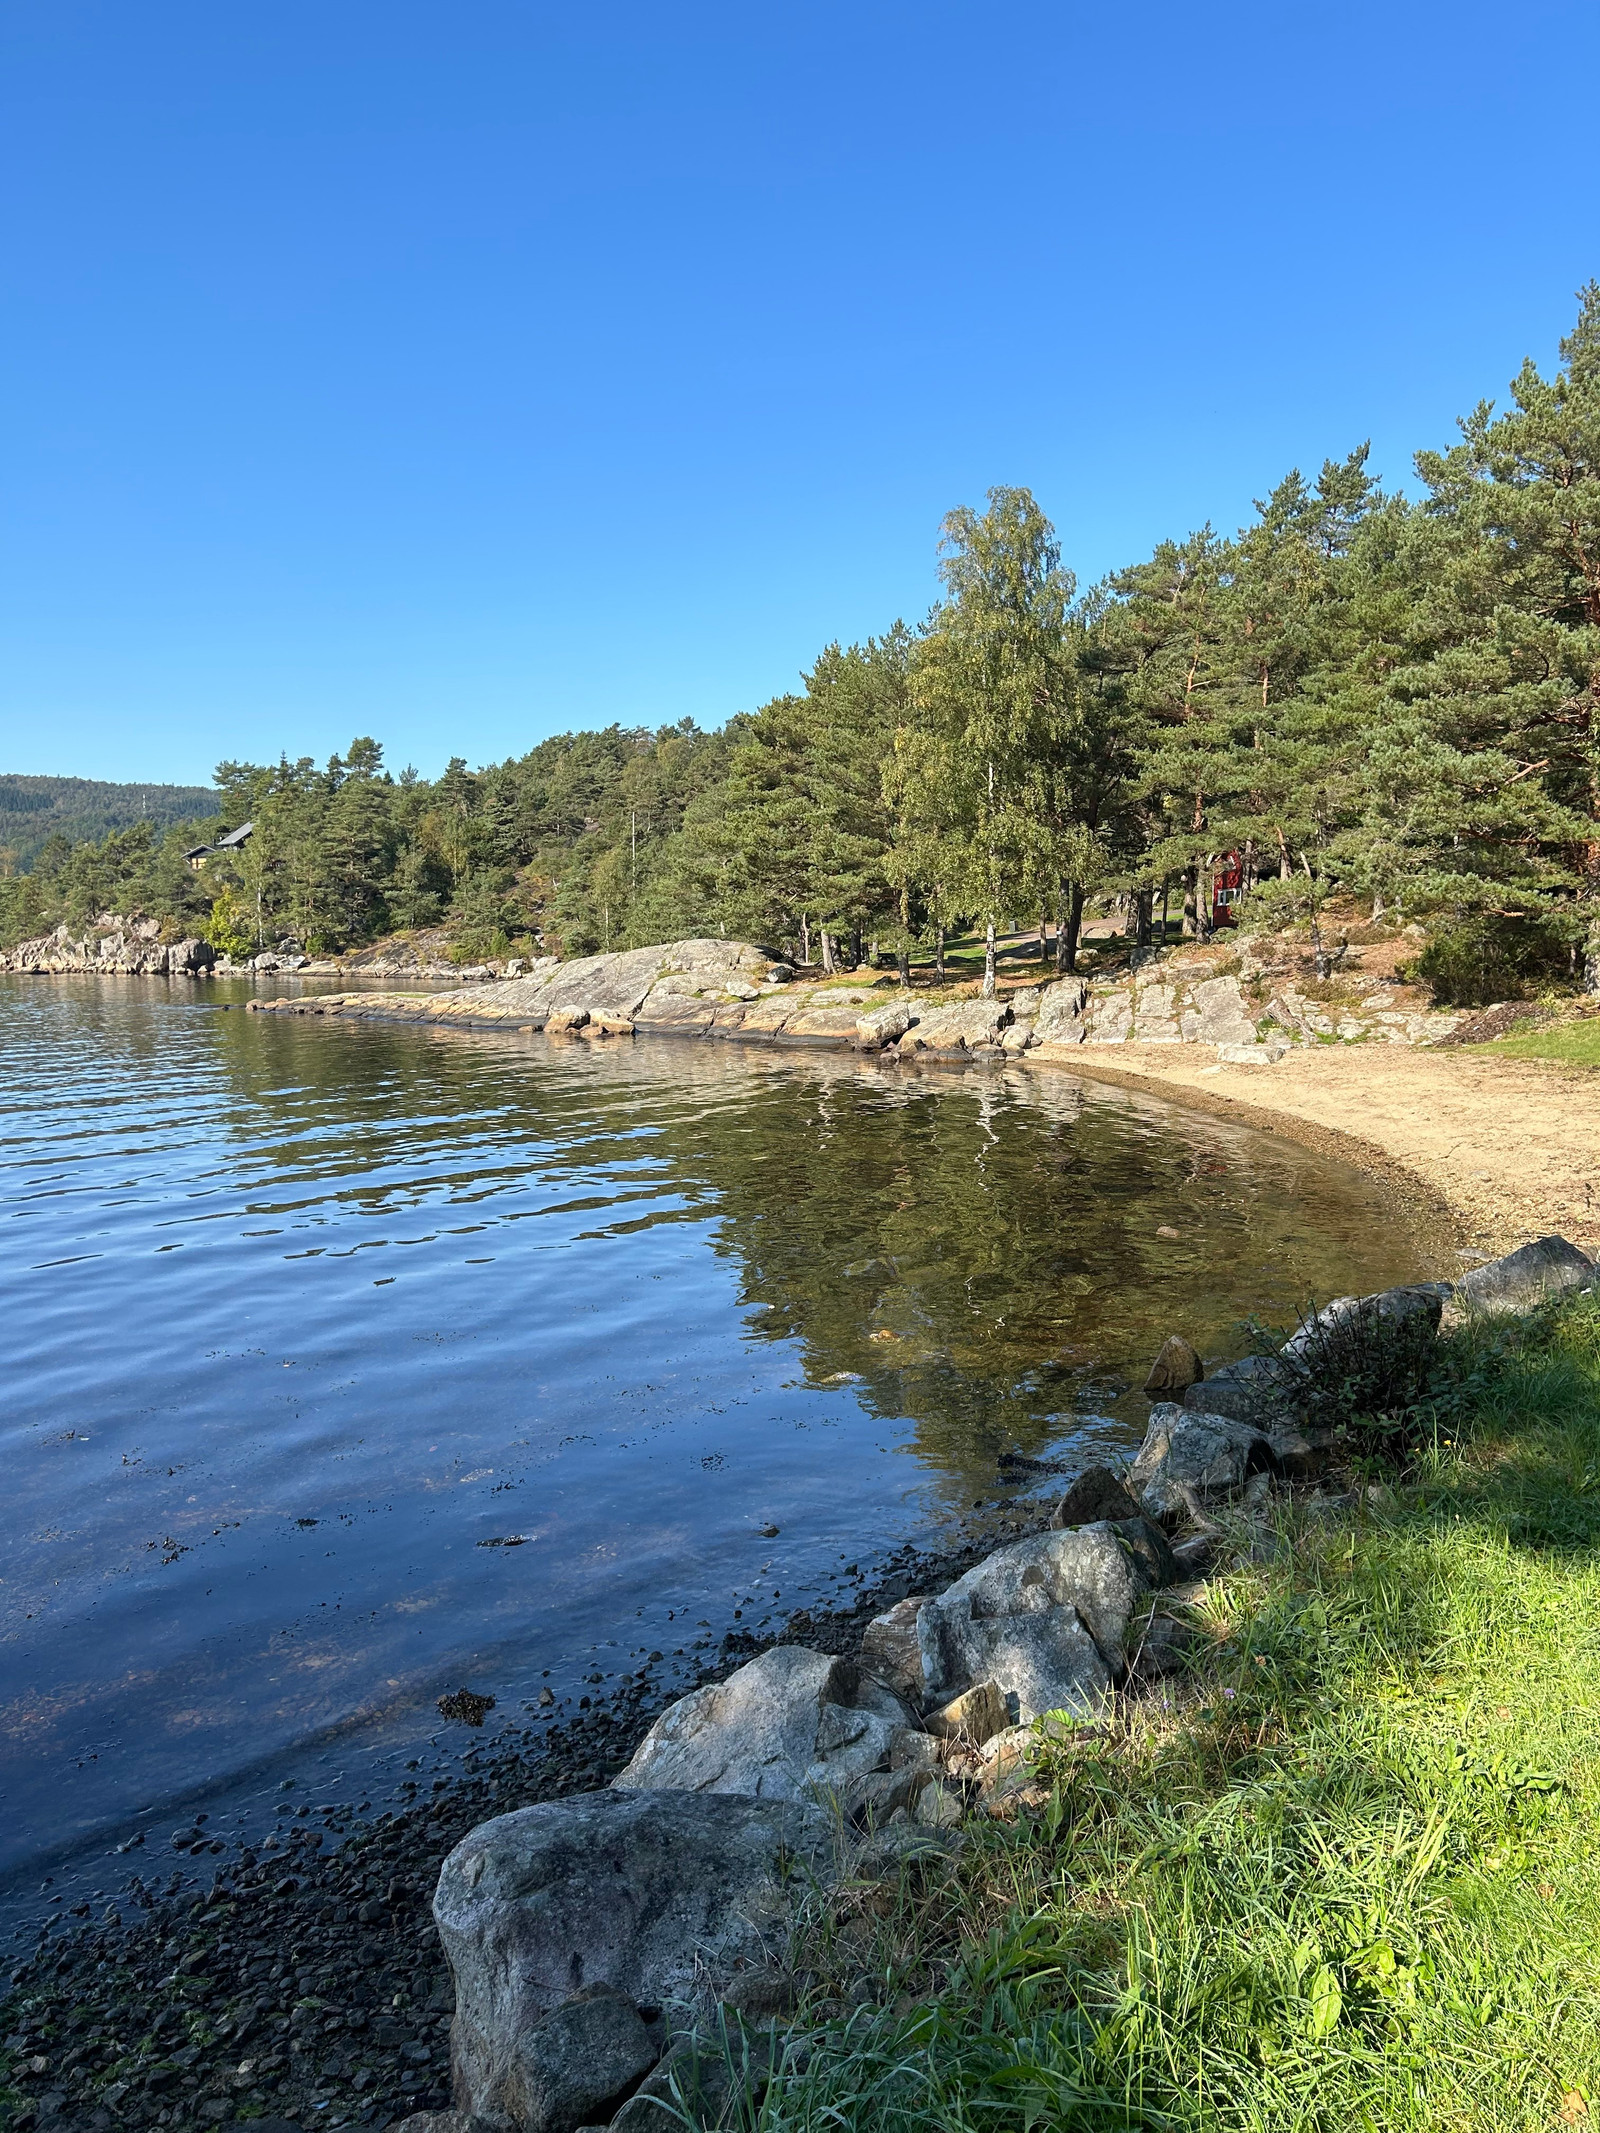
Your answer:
<point x="1385" y="1386"/>
<point x="1473" y="961"/>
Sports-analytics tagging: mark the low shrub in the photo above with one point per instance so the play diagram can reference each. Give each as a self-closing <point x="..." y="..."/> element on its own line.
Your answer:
<point x="1485" y="956"/>
<point x="1385" y="1386"/>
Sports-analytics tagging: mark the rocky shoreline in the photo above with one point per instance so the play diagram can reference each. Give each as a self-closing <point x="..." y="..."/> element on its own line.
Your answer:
<point x="732" y="991"/>
<point x="594" y="1928"/>
<point x="302" y="1984"/>
<point x="1252" y="1004"/>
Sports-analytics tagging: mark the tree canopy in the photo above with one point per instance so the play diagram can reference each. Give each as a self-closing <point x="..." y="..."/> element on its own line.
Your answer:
<point x="1359" y="694"/>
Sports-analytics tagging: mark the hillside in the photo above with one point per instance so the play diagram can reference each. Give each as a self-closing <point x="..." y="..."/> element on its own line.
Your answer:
<point x="33" y="810"/>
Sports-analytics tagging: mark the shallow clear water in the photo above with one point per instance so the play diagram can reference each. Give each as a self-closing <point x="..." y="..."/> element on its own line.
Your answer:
<point x="301" y="1317"/>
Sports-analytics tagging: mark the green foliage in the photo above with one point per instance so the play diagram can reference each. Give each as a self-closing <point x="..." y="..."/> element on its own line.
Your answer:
<point x="1489" y="956"/>
<point x="1354" y="697"/>
<point x="1343" y="1873"/>
<point x="1384" y="1386"/>
<point x="231" y="926"/>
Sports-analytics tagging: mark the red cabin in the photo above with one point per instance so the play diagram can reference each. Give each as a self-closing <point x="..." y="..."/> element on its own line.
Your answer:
<point x="1227" y="887"/>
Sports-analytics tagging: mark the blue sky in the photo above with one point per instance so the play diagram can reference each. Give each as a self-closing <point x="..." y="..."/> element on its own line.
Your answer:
<point x="461" y="374"/>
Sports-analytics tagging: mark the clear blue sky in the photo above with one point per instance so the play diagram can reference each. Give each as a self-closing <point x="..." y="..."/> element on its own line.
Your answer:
<point x="462" y="373"/>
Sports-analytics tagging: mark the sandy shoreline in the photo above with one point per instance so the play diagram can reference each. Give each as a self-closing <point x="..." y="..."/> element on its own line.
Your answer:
<point x="1505" y="1149"/>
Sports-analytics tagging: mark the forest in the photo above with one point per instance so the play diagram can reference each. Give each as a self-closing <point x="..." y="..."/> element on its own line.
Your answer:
<point x="1360" y="699"/>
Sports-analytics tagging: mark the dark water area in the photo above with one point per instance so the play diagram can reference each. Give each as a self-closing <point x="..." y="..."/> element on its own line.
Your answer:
<point x="349" y="1364"/>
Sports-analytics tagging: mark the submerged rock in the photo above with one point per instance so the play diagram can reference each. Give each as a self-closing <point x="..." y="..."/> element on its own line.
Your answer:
<point x="661" y="1896"/>
<point x="792" y="1724"/>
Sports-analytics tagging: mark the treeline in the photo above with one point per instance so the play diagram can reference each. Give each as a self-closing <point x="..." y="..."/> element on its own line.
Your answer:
<point x="1358" y="696"/>
<point x="33" y="810"/>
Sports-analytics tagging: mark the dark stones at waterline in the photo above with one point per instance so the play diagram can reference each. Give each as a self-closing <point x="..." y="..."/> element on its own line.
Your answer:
<point x="320" y="1966"/>
<point x="466" y="1705"/>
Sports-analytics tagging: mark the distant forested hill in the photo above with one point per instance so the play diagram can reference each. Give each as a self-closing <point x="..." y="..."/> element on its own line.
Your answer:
<point x="32" y="810"/>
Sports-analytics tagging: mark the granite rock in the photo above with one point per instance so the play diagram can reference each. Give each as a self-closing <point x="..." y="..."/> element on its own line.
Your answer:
<point x="1532" y="1275"/>
<point x="792" y="1724"/>
<point x="662" y="1896"/>
<point x="1207" y="1453"/>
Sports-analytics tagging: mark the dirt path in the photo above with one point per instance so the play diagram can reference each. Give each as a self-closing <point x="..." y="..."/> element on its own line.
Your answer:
<point x="1510" y="1147"/>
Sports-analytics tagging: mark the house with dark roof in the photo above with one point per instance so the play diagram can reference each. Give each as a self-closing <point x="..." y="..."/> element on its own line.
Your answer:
<point x="234" y="841"/>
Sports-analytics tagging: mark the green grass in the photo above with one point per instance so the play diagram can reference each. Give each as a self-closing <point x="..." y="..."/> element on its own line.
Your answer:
<point x="1578" y="1043"/>
<point x="1349" y="1876"/>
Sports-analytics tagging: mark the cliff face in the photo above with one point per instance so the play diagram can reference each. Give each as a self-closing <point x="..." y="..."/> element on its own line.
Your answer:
<point x="126" y="948"/>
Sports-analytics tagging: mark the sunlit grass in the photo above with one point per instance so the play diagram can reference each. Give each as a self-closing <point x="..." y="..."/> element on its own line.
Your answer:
<point x="1577" y="1043"/>
<point x="1345" y="1875"/>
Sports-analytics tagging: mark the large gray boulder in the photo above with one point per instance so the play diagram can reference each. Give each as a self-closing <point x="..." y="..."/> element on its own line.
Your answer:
<point x="1219" y="1015"/>
<point x="793" y="1724"/>
<point x="963" y="1026"/>
<point x="576" y="2066"/>
<point x="1418" y="1305"/>
<point x="1256" y="1390"/>
<point x="1532" y="1275"/>
<point x="1206" y="1454"/>
<point x="1045" y="1618"/>
<point x="884" y="1025"/>
<point x="661" y="1896"/>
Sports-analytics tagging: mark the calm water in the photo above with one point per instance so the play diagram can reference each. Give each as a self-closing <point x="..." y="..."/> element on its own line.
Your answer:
<point x="299" y="1317"/>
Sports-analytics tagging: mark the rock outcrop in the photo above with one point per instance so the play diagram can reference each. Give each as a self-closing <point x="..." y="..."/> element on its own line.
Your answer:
<point x="657" y="1897"/>
<point x="122" y="948"/>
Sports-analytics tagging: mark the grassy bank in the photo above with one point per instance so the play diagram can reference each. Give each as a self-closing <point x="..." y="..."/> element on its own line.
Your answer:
<point x="1343" y="1872"/>
<point x="1576" y="1043"/>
